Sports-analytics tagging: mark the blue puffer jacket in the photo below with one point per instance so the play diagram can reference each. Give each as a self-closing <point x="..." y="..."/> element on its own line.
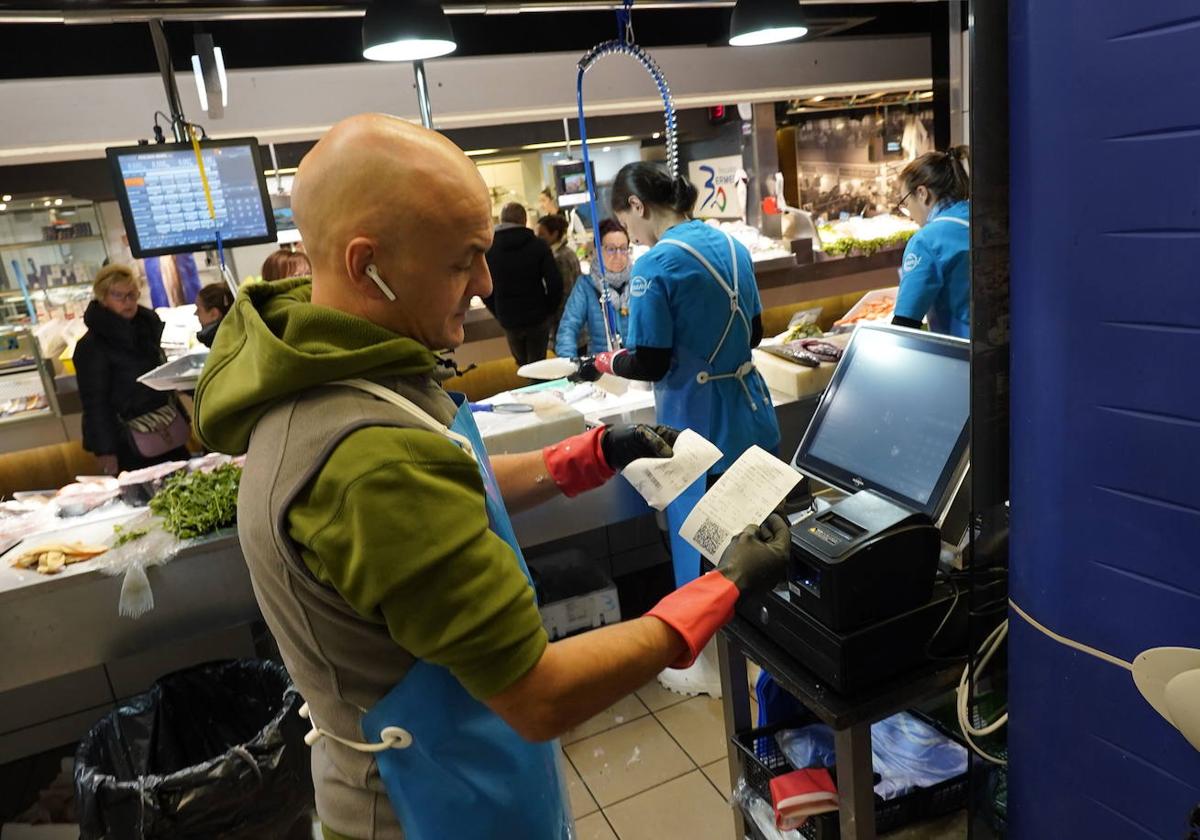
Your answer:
<point x="583" y="310"/>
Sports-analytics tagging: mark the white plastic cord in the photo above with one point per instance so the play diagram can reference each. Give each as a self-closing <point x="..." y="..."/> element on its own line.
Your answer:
<point x="989" y="648"/>
<point x="390" y="737"/>
<point x="1071" y="643"/>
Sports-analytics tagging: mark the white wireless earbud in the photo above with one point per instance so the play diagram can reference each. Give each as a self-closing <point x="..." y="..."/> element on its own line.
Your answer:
<point x="373" y="273"/>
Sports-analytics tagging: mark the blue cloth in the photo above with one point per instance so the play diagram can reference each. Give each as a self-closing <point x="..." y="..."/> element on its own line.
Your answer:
<point x="467" y="773"/>
<point x="189" y="276"/>
<point x="158" y="291"/>
<point x="583" y="310"/>
<point x="935" y="277"/>
<point x="676" y="303"/>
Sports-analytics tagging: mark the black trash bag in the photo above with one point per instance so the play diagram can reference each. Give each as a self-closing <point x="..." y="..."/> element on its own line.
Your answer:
<point x="211" y="751"/>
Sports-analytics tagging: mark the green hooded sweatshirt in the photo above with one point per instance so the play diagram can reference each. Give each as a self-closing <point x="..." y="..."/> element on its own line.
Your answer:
<point x="453" y="596"/>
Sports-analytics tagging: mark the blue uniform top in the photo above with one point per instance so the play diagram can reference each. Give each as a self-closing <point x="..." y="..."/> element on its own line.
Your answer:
<point x="583" y="310"/>
<point x="676" y="303"/>
<point x="935" y="278"/>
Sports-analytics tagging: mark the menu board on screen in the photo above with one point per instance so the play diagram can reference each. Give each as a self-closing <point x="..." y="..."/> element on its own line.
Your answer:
<point x="164" y="206"/>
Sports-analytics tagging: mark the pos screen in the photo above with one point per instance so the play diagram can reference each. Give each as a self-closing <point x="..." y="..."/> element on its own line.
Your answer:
<point x="163" y="202"/>
<point x="894" y="418"/>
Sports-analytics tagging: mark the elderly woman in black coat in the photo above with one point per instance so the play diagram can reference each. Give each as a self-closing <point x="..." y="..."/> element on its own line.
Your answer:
<point x="126" y="425"/>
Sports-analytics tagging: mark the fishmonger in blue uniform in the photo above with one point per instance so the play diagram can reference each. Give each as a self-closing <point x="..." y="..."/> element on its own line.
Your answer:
<point x="935" y="277"/>
<point x="694" y="316"/>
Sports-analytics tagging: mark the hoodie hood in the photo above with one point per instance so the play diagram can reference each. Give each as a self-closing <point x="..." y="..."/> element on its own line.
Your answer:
<point x="274" y="344"/>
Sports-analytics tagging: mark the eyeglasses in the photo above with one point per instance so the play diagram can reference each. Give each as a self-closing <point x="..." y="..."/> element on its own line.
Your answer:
<point x="124" y="297"/>
<point x="900" y="208"/>
<point x="617" y="252"/>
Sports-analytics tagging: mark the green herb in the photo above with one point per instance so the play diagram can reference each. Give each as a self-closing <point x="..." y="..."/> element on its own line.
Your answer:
<point x="193" y="504"/>
<point x="128" y="535"/>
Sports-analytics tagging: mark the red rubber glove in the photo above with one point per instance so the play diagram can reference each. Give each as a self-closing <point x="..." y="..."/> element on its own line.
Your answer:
<point x="697" y="611"/>
<point x="577" y="463"/>
<point x="754" y="562"/>
<point x="592" y="368"/>
<point x="604" y="361"/>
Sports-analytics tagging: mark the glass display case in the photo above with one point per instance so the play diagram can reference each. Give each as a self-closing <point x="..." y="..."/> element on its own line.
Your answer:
<point x="50" y="251"/>
<point x="25" y="384"/>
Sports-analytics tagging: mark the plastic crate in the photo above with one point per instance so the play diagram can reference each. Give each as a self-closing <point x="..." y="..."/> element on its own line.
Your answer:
<point x="763" y="760"/>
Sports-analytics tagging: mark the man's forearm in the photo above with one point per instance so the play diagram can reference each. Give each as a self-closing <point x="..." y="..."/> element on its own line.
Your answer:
<point x="580" y="677"/>
<point x="524" y="480"/>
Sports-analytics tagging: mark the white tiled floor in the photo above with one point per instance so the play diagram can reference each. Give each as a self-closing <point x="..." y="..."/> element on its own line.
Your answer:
<point x="655" y="767"/>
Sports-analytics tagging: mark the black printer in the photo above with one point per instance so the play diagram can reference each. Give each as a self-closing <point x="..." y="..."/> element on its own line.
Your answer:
<point x="861" y="561"/>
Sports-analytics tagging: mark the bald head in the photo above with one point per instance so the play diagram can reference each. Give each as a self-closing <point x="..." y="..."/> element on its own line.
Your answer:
<point x="380" y="191"/>
<point x="371" y="173"/>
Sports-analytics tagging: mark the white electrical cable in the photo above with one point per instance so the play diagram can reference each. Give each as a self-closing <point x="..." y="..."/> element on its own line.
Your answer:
<point x="989" y="648"/>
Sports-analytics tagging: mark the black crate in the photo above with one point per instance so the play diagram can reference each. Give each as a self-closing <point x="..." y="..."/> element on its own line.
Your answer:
<point x="763" y="760"/>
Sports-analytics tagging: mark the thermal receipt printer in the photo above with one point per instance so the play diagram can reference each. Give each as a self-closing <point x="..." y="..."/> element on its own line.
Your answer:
<point x="863" y="560"/>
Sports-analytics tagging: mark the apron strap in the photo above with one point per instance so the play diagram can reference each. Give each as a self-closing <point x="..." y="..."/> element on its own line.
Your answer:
<point x="390" y="737"/>
<point x="744" y="370"/>
<point x="732" y="291"/>
<point x="409" y="407"/>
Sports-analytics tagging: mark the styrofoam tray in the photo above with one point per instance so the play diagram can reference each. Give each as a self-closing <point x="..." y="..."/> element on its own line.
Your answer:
<point x="179" y="375"/>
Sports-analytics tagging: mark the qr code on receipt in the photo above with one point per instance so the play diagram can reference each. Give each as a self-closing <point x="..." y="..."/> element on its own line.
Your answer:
<point x="711" y="537"/>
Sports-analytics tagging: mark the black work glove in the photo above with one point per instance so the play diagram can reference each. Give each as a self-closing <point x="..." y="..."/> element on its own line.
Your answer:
<point x="587" y="371"/>
<point x="622" y="445"/>
<point x="757" y="558"/>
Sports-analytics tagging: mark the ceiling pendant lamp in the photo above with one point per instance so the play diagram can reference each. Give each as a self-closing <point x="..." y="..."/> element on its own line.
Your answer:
<point x="406" y="30"/>
<point x="757" y="22"/>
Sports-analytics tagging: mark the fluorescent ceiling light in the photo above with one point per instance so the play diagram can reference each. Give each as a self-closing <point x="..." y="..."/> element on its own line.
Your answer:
<point x="6" y="197"/>
<point x="413" y="30"/>
<point x="220" y="59"/>
<point x="592" y="141"/>
<point x="758" y="22"/>
<point x="478" y="152"/>
<point x="199" y="74"/>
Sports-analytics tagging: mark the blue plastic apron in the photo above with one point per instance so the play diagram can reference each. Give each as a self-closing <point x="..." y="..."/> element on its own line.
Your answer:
<point x="456" y="769"/>
<point x="684" y="400"/>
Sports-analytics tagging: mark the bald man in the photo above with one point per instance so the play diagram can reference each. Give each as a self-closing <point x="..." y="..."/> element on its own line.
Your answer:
<point x="376" y="530"/>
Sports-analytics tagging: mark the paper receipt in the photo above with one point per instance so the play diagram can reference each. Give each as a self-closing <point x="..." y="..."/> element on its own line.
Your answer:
<point x="746" y="495"/>
<point x="661" y="480"/>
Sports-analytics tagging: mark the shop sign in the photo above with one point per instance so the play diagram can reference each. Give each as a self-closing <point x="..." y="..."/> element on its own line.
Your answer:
<point x="716" y="181"/>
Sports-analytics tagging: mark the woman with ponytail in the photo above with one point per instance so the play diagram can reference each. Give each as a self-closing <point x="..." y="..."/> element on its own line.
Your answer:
<point x="935" y="277"/>
<point x="694" y="315"/>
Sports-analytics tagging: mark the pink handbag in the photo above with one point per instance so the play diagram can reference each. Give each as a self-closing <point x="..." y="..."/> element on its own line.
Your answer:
<point x="158" y="431"/>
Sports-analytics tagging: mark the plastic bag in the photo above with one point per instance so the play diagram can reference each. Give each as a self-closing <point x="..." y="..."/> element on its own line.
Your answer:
<point x="212" y="751"/>
<point x="910" y="753"/>
<point x="761" y="813"/>
<point x="132" y="559"/>
<point x="906" y="753"/>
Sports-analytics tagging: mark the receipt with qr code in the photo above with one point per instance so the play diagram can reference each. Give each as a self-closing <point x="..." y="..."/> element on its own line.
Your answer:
<point x="661" y="480"/>
<point x="745" y="495"/>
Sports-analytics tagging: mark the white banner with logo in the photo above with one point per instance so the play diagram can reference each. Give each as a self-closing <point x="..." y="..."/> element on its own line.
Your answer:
<point x="716" y="181"/>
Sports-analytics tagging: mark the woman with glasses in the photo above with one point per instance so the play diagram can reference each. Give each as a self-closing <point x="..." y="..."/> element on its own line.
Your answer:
<point x="581" y="329"/>
<point x="694" y="315"/>
<point x="935" y="276"/>
<point x="121" y="344"/>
